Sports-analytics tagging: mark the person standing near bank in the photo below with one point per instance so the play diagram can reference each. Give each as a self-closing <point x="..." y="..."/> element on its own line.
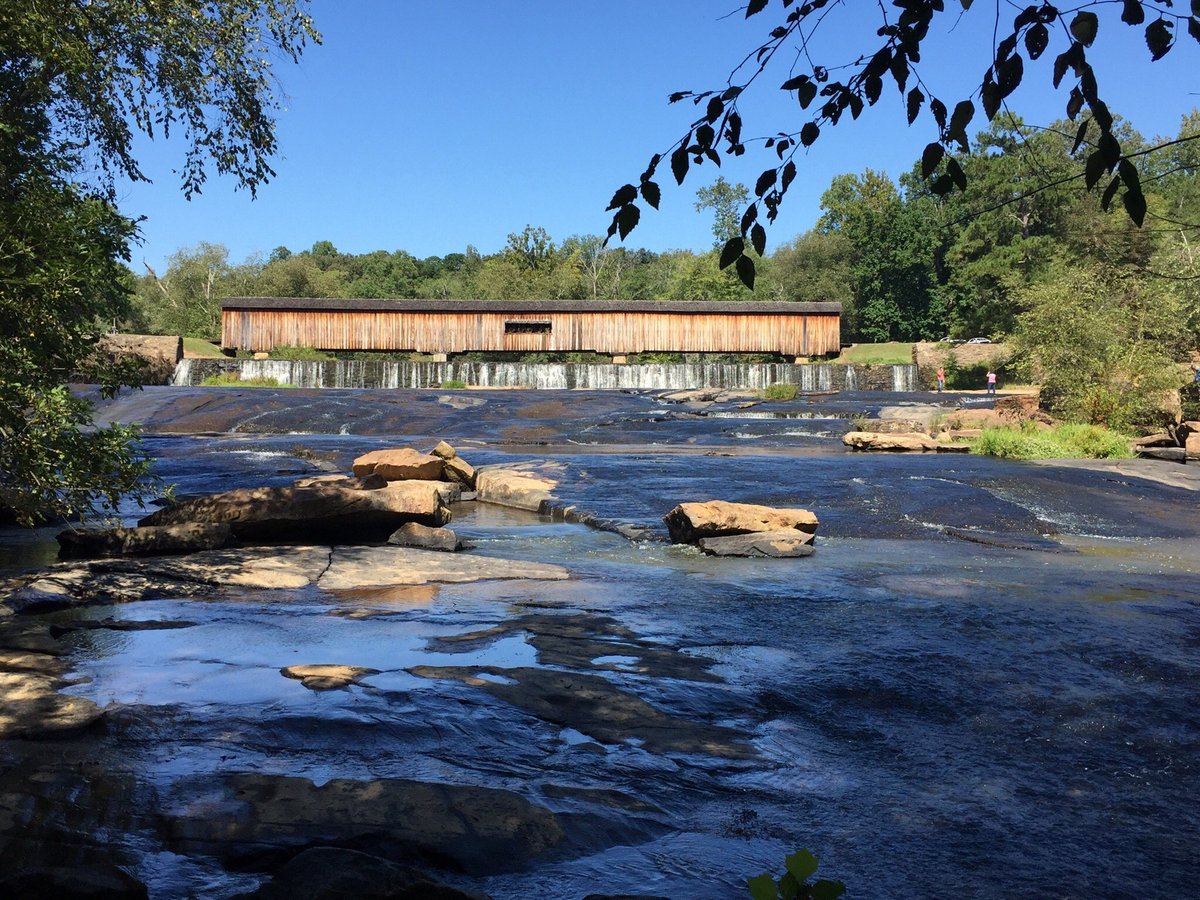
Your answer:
<point x="991" y="382"/>
<point x="941" y="378"/>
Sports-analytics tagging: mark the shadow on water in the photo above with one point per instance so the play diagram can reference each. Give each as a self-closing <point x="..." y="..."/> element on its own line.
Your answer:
<point x="982" y="684"/>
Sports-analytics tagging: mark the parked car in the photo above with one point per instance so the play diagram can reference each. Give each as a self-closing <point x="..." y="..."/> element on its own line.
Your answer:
<point x="979" y="341"/>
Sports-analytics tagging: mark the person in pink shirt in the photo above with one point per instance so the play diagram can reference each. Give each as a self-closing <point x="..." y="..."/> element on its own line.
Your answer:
<point x="991" y="382"/>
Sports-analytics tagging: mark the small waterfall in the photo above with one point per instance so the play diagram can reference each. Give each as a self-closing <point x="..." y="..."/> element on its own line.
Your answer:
<point x="810" y="378"/>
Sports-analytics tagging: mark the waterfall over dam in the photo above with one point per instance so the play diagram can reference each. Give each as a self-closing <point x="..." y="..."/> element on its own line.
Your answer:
<point x="554" y="376"/>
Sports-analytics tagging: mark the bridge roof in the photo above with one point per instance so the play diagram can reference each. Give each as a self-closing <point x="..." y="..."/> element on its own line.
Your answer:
<point x="686" y="307"/>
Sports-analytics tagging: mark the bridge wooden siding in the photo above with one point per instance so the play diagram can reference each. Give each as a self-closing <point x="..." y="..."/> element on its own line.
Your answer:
<point x="459" y="326"/>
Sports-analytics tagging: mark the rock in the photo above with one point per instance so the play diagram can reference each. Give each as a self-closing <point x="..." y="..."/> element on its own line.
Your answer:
<point x="458" y="470"/>
<point x="336" y="873"/>
<point x="476" y="829"/>
<point x="414" y="535"/>
<point x="327" y="677"/>
<point x="31" y="707"/>
<point x="444" y="451"/>
<point x="689" y="522"/>
<point x="370" y="482"/>
<point x="780" y="544"/>
<point x="89" y="543"/>
<point x="400" y="464"/>
<point x="90" y="881"/>
<point x="912" y="441"/>
<point x="1191" y="443"/>
<point x="367" y="567"/>
<point x="326" y="513"/>
<point x="1164" y="454"/>
<point x="449" y="491"/>
<point x="1158" y="439"/>
<point x="517" y="486"/>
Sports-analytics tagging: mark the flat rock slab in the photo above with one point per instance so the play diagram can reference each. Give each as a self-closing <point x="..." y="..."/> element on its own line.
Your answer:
<point x="904" y="442"/>
<point x="215" y="572"/>
<point x="783" y="544"/>
<point x="241" y="816"/>
<point x="155" y="540"/>
<point x="31" y="707"/>
<point x="322" y="677"/>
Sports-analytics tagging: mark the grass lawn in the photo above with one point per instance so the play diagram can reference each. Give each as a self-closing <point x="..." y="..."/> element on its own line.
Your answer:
<point x="200" y="347"/>
<point x="889" y="354"/>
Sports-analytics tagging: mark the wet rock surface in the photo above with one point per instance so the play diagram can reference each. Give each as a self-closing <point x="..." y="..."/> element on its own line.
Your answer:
<point x="980" y="649"/>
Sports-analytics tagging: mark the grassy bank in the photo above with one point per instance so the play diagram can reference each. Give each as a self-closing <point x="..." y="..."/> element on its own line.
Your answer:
<point x="1059" y="442"/>
<point x="892" y="353"/>
<point x="231" y="379"/>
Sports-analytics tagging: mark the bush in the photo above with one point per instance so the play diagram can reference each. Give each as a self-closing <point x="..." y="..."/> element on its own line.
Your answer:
<point x="1061" y="442"/>
<point x="300" y="354"/>
<point x="453" y="384"/>
<point x="780" y="392"/>
<point x="232" y="379"/>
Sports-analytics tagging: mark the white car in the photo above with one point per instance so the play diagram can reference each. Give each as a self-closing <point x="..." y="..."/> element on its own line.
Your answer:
<point x="979" y="341"/>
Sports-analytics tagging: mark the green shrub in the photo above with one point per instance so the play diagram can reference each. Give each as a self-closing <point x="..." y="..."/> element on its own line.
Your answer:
<point x="780" y="392"/>
<point x="794" y="883"/>
<point x="300" y="354"/>
<point x="453" y="384"/>
<point x="231" y="379"/>
<point x="1061" y="442"/>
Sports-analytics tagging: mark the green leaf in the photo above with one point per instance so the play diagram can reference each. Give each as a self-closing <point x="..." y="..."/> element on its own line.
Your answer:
<point x="762" y="887"/>
<point x="626" y="193"/>
<point x="957" y="175"/>
<point x="789" y="887"/>
<point x="1158" y="38"/>
<point x="1084" y="27"/>
<point x="1109" y="192"/>
<point x="825" y="889"/>
<point x="733" y="249"/>
<point x="1094" y="169"/>
<point x="801" y="865"/>
<point x="745" y="271"/>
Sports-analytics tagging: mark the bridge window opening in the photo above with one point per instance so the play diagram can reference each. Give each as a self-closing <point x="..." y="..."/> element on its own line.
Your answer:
<point x="526" y="327"/>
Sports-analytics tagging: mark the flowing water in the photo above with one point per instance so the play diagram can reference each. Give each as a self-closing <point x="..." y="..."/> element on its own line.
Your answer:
<point x="984" y="683"/>
<point x="554" y="376"/>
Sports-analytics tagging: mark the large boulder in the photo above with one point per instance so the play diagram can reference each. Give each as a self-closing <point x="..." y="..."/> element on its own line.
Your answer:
<point x="414" y="535"/>
<point x="908" y="442"/>
<point x="687" y="523"/>
<point x="324" y="513"/>
<point x="521" y="487"/>
<point x="1190" y="433"/>
<point x="159" y="540"/>
<point x="399" y="464"/>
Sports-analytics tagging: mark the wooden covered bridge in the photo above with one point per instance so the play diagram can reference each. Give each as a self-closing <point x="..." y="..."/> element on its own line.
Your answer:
<point x="441" y="327"/>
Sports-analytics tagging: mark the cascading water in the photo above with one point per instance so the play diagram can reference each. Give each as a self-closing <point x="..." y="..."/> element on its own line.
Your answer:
<point x="818" y="377"/>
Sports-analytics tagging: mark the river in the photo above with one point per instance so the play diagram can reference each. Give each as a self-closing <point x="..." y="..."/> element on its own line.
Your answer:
<point x="984" y="683"/>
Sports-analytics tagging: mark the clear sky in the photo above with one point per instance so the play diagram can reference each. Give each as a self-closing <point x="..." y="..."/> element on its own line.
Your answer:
<point x="430" y="126"/>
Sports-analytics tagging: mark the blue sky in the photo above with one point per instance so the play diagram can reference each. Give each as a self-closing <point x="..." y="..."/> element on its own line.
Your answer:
<point x="431" y="126"/>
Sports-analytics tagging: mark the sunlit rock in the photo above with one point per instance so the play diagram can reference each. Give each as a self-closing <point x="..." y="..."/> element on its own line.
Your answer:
<point x="689" y="522"/>
<point x="399" y="464"/>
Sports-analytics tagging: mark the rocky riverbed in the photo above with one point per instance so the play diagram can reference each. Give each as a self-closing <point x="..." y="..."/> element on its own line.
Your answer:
<point x="982" y="683"/>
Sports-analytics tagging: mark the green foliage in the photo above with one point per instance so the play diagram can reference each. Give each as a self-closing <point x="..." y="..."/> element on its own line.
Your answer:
<point x="91" y="75"/>
<point x="780" y="392"/>
<point x="300" y="354"/>
<point x="453" y="384"/>
<point x="1059" y="442"/>
<point x="725" y="200"/>
<point x="794" y="884"/>
<point x="232" y="379"/>
<point x="201" y="348"/>
<point x="804" y="48"/>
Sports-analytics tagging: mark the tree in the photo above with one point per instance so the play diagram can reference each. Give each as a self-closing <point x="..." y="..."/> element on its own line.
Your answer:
<point x="725" y="200"/>
<point x="829" y="88"/>
<point x="77" y="82"/>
